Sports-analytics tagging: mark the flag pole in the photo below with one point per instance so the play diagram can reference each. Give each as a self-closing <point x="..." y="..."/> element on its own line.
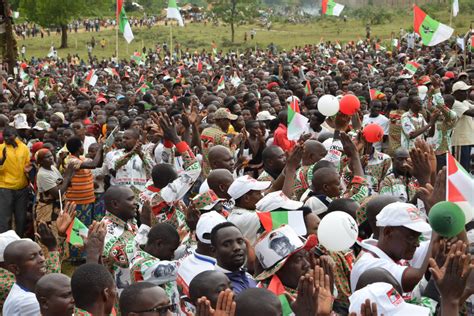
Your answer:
<point x="451" y="15"/>
<point x="171" y="44"/>
<point x="116" y="31"/>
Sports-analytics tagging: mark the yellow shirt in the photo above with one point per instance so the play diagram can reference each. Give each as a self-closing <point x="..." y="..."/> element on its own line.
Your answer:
<point x="12" y="172"/>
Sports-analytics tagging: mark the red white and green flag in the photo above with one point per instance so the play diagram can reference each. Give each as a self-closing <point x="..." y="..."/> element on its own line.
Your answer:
<point x="221" y="84"/>
<point x="142" y="79"/>
<point x="374" y="93"/>
<point x="372" y="69"/>
<point x="297" y="123"/>
<point x="273" y="220"/>
<point x="307" y="88"/>
<point x="112" y="72"/>
<point x="214" y="48"/>
<point x="431" y="31"/>
<point x="412" y="67"/>
<point x="329" y="7"/>
<point x="460" y="186"/>
<point x="91" y="77"/>
<point x="76" y="233"/>
<point x="173" y="12"/>
<point x="122" y="22"/>
<point x="278" y="289"/>
<point x="143" y="88"/>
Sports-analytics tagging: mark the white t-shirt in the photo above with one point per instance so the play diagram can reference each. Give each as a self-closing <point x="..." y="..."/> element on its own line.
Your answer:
<point x="21" y="303"/>
<point x="463" y="132"/>
<point x="246" y="221"/>
<point x="88" y="140"/>
<point x="382" y="121"/>
<point x="47" y="179"/>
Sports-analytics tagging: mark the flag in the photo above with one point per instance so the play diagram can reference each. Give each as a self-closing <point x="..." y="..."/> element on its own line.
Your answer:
<point x="214" y="48"/>
<point x="235" y="80"/>
<point x="374" y="93"/>
<point x="472" y="43"/>
<point x="112" y="72"/>
<point x="221" y="84"/>
<point x="143" y="88"/>
<point x="431" y="31"/>
<point x="297" y="123"/>
<point x="74" y="81"/>
<point x="142" y="79"/>
<point x="122" y="22"/>
<point x="331" y="8"/>
<point x="278" y="289"/>
<point x="411" y="67"/>
<point x="91" y="77"/>
<point x="459" y="186"/>
<point x="173" y="12"/>
<point x="273" y="220"/>
<point x="455" y="7"/>
<point x="199" y="65"/>
<point x="372" y="69"/>
<point x="307" y="88"/>
<point x="76" y="233"/>
<point x="138" y="58"/>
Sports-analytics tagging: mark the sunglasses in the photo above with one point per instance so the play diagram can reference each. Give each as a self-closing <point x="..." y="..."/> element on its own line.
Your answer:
<point x="162" y="310"/>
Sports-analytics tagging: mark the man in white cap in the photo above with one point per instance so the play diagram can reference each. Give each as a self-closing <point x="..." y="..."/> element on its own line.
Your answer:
<point x="463" y="132"/>
<point x="202" y="258"/>
<point x="246" y="191"/>
<point x="401" y="225"/>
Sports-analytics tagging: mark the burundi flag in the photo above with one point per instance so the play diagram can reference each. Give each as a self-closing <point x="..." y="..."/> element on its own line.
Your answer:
<point x="459" y="186"/>
<point x="431" y="31"/>
<point x="278" y="289"/>
<point x="372" y="69"/>
<point x="221" y="84"/>
<point x="143" y="88"/>
<point x="273" y="220"/>
<point x="307" y="88"/>
<point x="412" y="67"/>
<point x="374" y="93"/>
<point x="297" y="123"/>
<point x="173" y="12"/>
<point x="332" y="8"/>
<point x="455" y="7"/>
<point x="76" y="233"/>
<point x="122" y="22"/>
<point x="91" y="77"/>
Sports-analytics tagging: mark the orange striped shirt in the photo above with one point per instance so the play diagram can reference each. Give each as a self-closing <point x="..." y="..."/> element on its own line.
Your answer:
<point x="81" y="189"/>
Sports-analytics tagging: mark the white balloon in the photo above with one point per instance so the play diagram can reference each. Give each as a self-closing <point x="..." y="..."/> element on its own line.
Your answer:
<point x="337" y="231"/>
<point x="328" y="105"/>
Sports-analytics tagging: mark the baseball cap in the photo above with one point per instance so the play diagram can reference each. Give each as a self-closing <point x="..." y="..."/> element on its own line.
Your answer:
<point x="223" y="113"/>
<point x="60" y="115"/>
<point x="449" y="74"/>
<point x="461" y="85"/>
<point x="41" y="126"/>
<point x="7" y="238"/>
<point x="403" y="214"/>
<point x="20" y="122"/>
<point x="276" y="200"/>
<point x="206" y="201"/>
<point x="265" y="116"/>
<point x="274" y="248"/>
<point x="245" y="184"/>
<point x="206" y="223"/>
<point x="388" y="300"/>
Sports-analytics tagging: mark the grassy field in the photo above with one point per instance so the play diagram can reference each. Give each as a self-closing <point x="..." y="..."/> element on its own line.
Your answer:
<point x="199" y="36"/>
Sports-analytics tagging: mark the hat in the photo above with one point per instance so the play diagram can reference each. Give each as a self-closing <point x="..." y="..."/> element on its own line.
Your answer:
<point x="41" y="126"/>
<point x="60" y="115"/>
<point x="424" y="80"/>
<point x="449" y="74"/>
<point x="20" y="122"/>
<point x="461" y="85"/>
<point x="388" y="300"/>
<point x="101" y="99"/>
<point x="272" y="84"/>
<point x="274" y="248"/>
<point x="206" y="223"/>
<point x="206" y="201"/>
<point x="245" y="184"/>
<point x="403" y="214"/>
<point x="276" y="200"/>
<point x="265" y="116"/>
<point x="318" y="203"/>
<point x="7" y="238"/>
<point x="223" y="113"/>
<point x="463" y="74"/>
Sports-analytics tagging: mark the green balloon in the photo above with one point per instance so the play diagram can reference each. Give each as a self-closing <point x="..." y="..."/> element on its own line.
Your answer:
<point x="447" y="219"/>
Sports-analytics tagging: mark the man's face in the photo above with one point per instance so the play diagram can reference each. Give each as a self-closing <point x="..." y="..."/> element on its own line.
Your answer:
<point x="9" y="138"/>
<point x="375" y="109"/>
<point x="218" y="283"/>
<point x="151" y="299"/>
<point x="415" y="106"/>
<point x="225" y="161"/>
<point x="231" y="248"/>
<point x="279" y="160"/>
<point x="61" y="302"/>
<point x="79" y="130"/>
<point x="126" y="204"/>
<point x="332" y="187"/>
<point x="400" y="162"/>
<point x="129" y="141"/>
<point x="294" y="268"/>
<point x="404" y="242"/>
<point x="32" y="265"/>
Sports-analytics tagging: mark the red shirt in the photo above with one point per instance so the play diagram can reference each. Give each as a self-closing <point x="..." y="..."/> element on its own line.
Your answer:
<point x="280" y="138"/>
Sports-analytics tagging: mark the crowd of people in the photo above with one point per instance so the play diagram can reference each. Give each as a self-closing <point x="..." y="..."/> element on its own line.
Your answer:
<point x="170" y="186"/>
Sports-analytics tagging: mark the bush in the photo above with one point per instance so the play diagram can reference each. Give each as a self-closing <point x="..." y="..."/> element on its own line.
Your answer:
<point x="373" y="15"/>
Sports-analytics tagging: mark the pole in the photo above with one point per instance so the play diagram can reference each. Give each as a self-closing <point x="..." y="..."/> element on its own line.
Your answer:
<point x="451" y="15"/>
<point x="117" y="31"/>
<point x="171" y="43"/>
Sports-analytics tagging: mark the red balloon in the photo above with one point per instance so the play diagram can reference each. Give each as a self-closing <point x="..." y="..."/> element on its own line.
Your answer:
<point x="349" y="104"/>
<point x="373" y="133"/>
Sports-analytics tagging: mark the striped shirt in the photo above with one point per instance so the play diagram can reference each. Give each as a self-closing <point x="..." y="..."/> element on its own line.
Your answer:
<point x="81" y="189"/>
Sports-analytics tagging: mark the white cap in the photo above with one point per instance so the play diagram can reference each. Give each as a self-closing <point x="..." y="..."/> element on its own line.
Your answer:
<point x="460" y="85"/>
<point x="276" y="200"/>
<point x="20" y="121"/>
<point x="7" y="238"/>
<point x="206" y="223"/>
<point x="403" y="214"/>
<point x="388" y="300"/>
<point x="290" y="99"/>
<point x="244" y="184"/>
<point x="265" y="116"/>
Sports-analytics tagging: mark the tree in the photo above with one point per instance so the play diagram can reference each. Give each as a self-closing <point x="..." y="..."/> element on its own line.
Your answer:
<point x="7" y="40"/>
<point x="49" y="13"/>
<point x="234" y="11"/>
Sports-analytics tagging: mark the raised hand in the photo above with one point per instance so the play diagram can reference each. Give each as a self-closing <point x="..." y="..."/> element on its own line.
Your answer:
<point x="95" y="241"/>
<point x="348" y="146"/>
<point x="46" y="236"/>
<point x="367" y="309"/>
<point x="323" y="287"/>
<point x="420" y="166"/>
<point x="225" y="304"/>
<point x="65" y="218"/>
<point x="169" y="129"/>
<point x="306" y="303"/>
<point x="146" y="214"/>
<point x="295" y="157"/>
